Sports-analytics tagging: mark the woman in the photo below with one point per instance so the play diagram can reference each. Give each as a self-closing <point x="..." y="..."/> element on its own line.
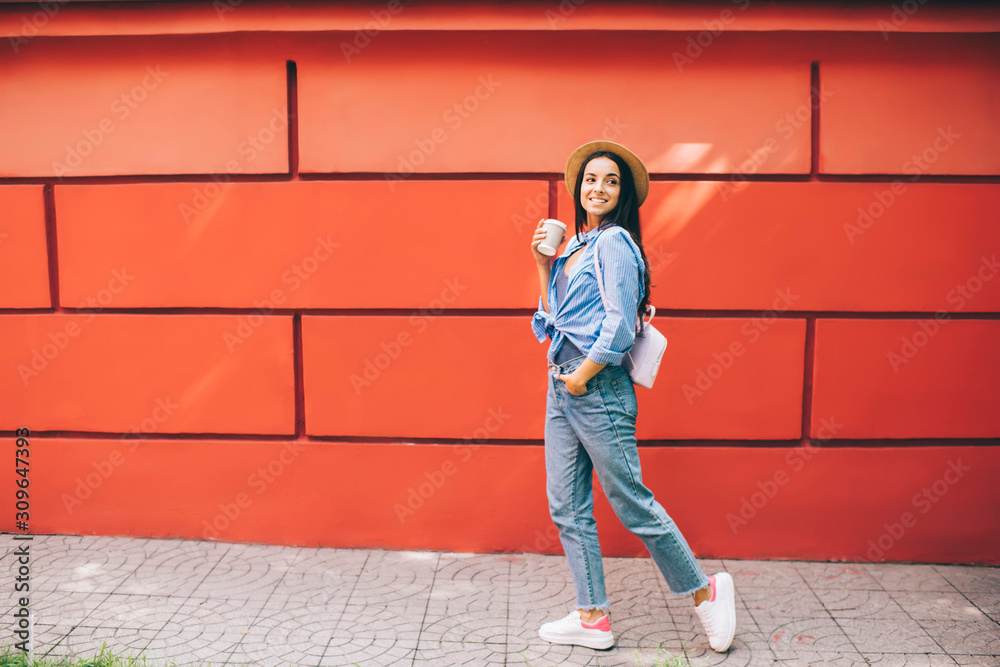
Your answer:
<point x="591" y="408"/>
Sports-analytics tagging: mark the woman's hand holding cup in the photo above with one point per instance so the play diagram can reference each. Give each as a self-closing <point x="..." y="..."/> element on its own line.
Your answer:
<point x="547" y="239"/>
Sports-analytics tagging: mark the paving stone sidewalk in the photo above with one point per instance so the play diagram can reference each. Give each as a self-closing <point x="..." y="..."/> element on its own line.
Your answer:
<point x="200" y="603"/>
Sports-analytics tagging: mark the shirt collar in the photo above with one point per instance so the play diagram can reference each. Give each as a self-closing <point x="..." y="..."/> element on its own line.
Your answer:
<point x="589" y="236"/>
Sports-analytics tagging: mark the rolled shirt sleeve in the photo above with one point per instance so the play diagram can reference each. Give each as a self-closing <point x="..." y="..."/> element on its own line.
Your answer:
<point x="622" y="270"/>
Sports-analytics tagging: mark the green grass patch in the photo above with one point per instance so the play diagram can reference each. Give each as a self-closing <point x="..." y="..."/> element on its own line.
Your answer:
<point x="11" y="657"/>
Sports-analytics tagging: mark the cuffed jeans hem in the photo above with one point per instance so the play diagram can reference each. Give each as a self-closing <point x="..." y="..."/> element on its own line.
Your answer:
<point x="594" y="607"/>
<point x="693" y="590"/>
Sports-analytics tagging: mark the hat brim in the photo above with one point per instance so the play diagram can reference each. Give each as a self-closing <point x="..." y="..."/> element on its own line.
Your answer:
<point x="639" y="173"/>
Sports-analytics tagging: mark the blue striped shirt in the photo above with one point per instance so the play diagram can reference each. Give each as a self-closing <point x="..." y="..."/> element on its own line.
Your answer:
<point x="603" y="335"/>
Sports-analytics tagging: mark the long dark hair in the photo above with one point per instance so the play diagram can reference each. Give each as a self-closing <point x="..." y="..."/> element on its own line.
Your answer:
<point x="625" y="214"/>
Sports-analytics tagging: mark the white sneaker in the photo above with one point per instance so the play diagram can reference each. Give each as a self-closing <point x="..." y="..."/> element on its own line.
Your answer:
<point x="572" y="630"/>
<point x="718" y="612"/>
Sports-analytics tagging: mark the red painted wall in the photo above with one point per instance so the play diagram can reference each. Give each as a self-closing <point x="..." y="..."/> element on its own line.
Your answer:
<point x="276" y="286"/>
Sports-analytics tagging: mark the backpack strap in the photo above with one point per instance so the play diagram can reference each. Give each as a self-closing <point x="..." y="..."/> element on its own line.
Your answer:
<point x="600" y="281"/>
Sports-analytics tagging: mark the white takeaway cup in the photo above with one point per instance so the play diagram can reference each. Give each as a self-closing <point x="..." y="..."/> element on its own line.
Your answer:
<point x="554" y="233"/>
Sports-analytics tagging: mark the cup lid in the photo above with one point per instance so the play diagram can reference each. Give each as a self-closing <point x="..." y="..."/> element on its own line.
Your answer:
<point x="556" y="222"/>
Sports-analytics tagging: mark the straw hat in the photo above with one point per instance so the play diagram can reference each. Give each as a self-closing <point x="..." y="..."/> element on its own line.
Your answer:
<point x="639" y="172"/>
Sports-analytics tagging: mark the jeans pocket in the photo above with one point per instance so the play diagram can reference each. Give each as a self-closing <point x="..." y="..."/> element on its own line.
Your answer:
<point x="625" y="393"/>
<point x="591" y="388"/>
<point x="592" y="385"/>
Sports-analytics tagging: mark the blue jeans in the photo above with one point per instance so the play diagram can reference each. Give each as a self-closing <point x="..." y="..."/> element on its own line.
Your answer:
<point x="596" y="431"/>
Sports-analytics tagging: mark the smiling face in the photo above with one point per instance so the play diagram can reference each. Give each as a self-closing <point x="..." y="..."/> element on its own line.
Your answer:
<point x="600" y="189"/>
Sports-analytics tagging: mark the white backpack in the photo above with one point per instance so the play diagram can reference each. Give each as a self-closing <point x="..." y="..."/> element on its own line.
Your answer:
<point x="642" y="362"/>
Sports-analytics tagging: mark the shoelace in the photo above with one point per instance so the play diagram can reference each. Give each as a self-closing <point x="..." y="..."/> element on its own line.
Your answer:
<point x="570" y="619"/>
<point x="706" y="618"/>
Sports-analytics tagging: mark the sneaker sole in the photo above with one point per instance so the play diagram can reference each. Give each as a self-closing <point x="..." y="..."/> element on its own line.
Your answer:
<point x="726" y="592"/>
<point x="591" y="642"/>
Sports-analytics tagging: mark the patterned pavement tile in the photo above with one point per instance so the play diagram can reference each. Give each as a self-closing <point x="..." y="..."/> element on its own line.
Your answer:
<point x="172" y="567"/>
<point x="334" y="571"/>
<point x="788" y="602"/>
<point x="193" y="646"/>
<point x="484" y="569"/>
<point x="400" y="622"/>
<point x="59" y="608"/>
<point x="748" y="648"/>
<point x="971" y="578"/>
<point x="198" y="601"/>
<point x="634" y="582"/>
<point x="137" y="612"/>
<point x="555" y="594"/>
<point x="247" y="571"/>
<point x="215" y="617"/>
<point x="540" y="653"/>
<point x="416" y="564"/>
<point x="810" y="634"/>
<point x="460" y="595"/>
<point x="344" y="562"/>
<point x="893" y="635"/>
<point x="293" y="632"/>
<point x="937" y="605"/>
<point x="908" y="577"/>
<point x="535" y="567"/>
<point x="908" y="659"/>
<point x="976" y="636"/>
<point x="634" y="627"/>
<point x="762" y="574"/>
<point x="436" y="653"/>
<point x="375" y="635"/>
<point x="87" y="642"/>
<point x="819" y="659"/>
<point x="383" y="588"/>
<point x="337" y="588"/>
<point x="988" y="603"/>
<point x="853" y="603"/>
<point x="49" y="640"/>
<point x="984" y="660"/>
<point x="837" y="575"/>
<point x="73" y="566"/>
<point x="483" y="626"/>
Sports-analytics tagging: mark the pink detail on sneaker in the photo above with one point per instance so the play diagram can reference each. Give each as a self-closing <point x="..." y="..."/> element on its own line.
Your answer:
<point x="603" y="624"/>
<point x="711" y="580"/>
